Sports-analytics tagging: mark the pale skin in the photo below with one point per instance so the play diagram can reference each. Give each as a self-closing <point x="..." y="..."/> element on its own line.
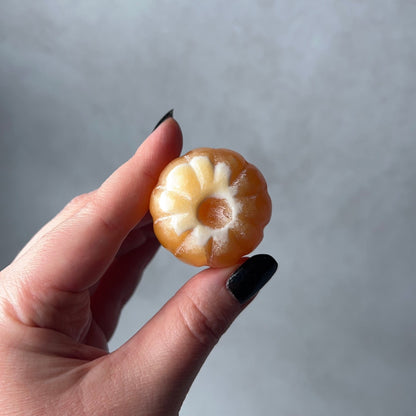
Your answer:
<point x="61" y="298"/>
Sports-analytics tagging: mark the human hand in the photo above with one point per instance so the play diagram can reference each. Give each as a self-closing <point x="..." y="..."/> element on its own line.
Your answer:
<point x="61" y="298"/>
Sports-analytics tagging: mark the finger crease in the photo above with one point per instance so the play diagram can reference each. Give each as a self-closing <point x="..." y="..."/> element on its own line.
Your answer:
<point x="199" y="324"/>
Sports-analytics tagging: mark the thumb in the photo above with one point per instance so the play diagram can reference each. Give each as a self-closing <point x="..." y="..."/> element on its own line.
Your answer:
<point x="167" y="353"/>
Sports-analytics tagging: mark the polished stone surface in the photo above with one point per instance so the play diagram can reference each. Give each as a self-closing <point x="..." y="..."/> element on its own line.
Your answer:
<point x="320" y="95"/>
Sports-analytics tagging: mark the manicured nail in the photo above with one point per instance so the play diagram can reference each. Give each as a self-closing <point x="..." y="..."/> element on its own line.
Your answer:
<point x="169" y="114"/>
<point x="251" y="276"/>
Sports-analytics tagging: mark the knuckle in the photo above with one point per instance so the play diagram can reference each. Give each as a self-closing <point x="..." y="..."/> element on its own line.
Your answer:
<point x="94" y="207"/>
<point x="89" y="204"/>
<point x="78" y="202"/>
<point x="201" y="322"/>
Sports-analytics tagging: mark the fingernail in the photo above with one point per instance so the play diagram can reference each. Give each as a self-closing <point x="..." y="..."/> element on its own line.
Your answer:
<point x="169" y="114"/>
<point x="251" y="276"/>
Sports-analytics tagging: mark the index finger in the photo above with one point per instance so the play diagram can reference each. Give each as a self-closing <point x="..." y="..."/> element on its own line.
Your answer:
<point x="73" y="255"/>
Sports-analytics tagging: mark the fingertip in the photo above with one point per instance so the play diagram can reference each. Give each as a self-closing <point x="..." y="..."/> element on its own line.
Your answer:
<point x="168" y="115"/>
<point x="250" y="277"/>
<point x="166" y="137"/>
<point x="174" y="131"/>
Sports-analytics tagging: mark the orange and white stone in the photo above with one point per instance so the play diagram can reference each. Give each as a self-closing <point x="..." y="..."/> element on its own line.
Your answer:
<point x="210" y="207"/>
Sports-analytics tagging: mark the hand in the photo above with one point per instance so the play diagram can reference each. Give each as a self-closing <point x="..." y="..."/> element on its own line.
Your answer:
<point x="61" y="298"/>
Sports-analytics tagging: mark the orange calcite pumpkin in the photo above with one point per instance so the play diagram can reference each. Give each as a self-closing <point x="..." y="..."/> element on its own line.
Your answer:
<point x="210" y="207"/>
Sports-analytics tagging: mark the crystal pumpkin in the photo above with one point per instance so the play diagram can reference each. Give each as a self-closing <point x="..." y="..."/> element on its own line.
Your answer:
<point x="210" y="207"/>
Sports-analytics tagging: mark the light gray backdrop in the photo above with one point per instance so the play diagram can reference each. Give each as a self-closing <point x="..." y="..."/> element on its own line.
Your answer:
<point x="319" y="94"/>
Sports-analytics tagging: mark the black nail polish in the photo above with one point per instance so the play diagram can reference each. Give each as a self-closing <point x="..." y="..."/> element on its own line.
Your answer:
<point x="169" y="114"/>
<point x="251" y="276"/>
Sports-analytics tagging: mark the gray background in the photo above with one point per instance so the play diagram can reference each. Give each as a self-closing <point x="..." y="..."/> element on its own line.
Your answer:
<point x="320" y="95"/>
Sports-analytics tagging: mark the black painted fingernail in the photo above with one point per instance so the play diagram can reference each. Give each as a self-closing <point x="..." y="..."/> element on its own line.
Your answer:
<point x="251" y="276"/>
<point x="169" y="114"/>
